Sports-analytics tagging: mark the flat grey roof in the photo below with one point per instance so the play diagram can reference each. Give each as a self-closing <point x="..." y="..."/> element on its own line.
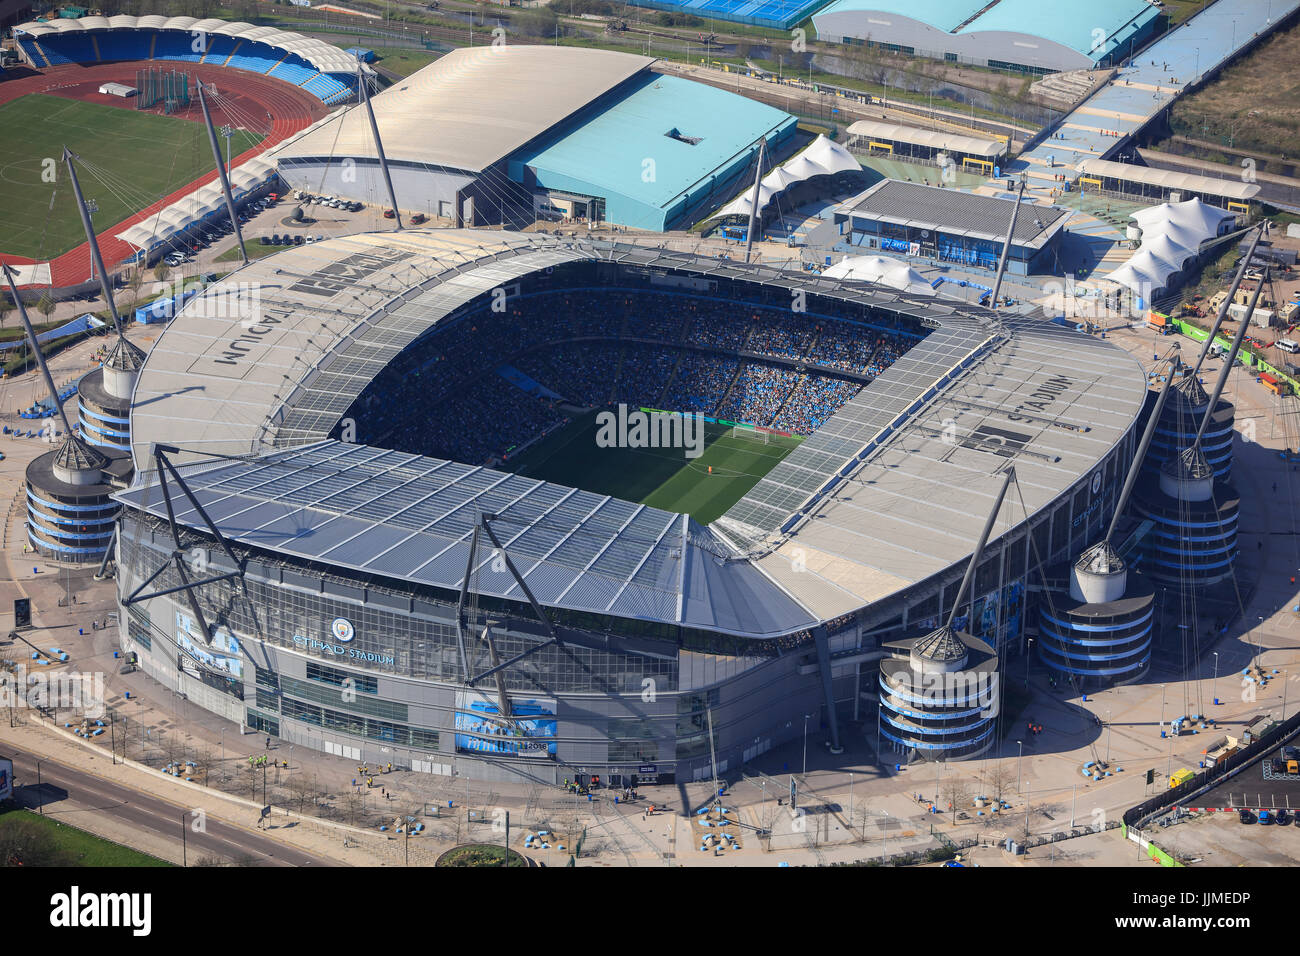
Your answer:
<point x="955" y="212"/>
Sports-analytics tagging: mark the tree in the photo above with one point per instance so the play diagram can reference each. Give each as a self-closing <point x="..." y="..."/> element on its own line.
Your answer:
<point x="6" y="306"/>
<point x="956" y="790"/>
<point x="134" y="283"/>
<point x="46" y="305"/>
<point x="299" y="791"/>
<point x="998" y="779"/>
<point x="161" y="270"/>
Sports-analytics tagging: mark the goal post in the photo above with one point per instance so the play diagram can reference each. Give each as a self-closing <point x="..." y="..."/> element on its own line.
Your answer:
<point x="753" y="434"/>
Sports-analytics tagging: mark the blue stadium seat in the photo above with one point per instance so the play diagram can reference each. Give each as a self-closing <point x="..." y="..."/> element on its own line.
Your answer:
<point x="219" y="48"/>
<point x="117" y="45"/>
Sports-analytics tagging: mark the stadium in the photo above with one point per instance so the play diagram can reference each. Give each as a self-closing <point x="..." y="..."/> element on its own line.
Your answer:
<point x="120" y="91"/>
<point x="370" y="516"/>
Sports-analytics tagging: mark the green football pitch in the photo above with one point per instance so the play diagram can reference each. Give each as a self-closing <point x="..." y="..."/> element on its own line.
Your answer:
<point x="128" y="159"/>
<point x="660" y="477"/>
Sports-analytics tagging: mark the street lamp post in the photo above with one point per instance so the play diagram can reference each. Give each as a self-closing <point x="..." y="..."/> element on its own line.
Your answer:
<point x="184" y="844"/>
<point x="851" y="790"/>
<point x="1215" y="687"/>
<point x="227" y="131"/>
<point x="805" y="743"/>
<point x="92" y="207"/>
<point x="1162" y="708"/>
<point x="1019" y="763"/>
<point x="40" y="804"/>
<point x="1107" y="738"/>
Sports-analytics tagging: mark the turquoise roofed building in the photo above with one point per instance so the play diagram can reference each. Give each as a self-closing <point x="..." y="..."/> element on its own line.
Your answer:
<point x="1028" y="36"/>
<point x="661" y="152"/>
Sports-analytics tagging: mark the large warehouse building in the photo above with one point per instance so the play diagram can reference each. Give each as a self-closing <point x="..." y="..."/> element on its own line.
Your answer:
<point x="1027" y="36"/>
<point x="314" y="561"/>
<point x="516" y="133"/>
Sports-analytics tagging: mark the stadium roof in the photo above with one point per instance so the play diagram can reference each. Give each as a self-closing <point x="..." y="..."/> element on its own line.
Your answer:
<point x="410" y="518"/>
<point x="324" y="56"/>
<point x="273" y="371"/>
<point x="1168" y="179"/>
<point x="896" y="487"/>
<point x="934" y="139"/>
<point x="955" y="213"/>
<point x="472" y="107"/>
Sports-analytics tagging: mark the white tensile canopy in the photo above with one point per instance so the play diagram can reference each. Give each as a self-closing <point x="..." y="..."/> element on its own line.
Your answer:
<point x="823" y="157"/>
<point x="881" y="270"/>
<point x="1172" y="233"/>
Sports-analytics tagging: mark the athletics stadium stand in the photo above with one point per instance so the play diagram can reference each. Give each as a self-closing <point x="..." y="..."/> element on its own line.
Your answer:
<point x="325" y="71"/>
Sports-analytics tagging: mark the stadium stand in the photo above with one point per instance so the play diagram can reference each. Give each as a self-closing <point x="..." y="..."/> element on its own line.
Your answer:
<point x="322" y="70"/>
<point x="674" y="351"/>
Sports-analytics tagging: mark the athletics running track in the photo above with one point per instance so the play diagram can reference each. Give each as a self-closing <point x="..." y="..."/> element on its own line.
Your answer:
<point x="251" y="95"/>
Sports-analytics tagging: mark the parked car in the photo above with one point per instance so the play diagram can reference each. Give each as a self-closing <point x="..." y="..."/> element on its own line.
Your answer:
<point x="1246" y="816"/>
<point x="418" y="218"/>
<point x="299" y="239"/>
<point x="264" y="240"/>
<point x="389" y="214"/>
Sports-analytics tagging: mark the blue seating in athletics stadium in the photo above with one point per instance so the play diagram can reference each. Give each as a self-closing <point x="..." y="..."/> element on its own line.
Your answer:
<point x="327" y="88"/>
<point x="171" y="44"/>
<point x="124" y="45"/>
<point x="32" y="51"/>
<point x="178" y="45"/>
<point x="219" y="48"/>
<point x="294" y="72"/>
<point x="250" y="58"/>
<point x="73" y="48"/>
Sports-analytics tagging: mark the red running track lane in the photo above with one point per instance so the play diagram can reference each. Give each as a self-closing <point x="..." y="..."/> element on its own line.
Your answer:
<point x="290" y="108"/>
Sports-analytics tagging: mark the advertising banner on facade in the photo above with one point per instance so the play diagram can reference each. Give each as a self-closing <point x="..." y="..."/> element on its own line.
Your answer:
<point x="221" y="655"/>
<point x="481" y="727"/>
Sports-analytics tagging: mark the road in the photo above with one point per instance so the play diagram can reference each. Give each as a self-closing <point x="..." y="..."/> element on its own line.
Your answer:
<point x="84" y="792"/>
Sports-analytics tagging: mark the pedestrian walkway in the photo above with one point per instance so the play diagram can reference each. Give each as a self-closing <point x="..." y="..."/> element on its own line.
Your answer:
<point x="1141" y="89"/>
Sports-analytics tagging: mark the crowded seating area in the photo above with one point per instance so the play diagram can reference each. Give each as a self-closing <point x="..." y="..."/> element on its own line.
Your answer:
<point x="593" y="348"/>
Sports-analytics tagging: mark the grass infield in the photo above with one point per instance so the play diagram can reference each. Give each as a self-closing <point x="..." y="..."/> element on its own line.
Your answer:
<point x="659" y="477"/>
<point x="129" y="159"/>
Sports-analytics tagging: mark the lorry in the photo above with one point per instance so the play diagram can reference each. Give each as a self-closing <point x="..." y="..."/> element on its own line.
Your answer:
<point x="1159" y="323"/>
<point x="1180" y="777"/>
